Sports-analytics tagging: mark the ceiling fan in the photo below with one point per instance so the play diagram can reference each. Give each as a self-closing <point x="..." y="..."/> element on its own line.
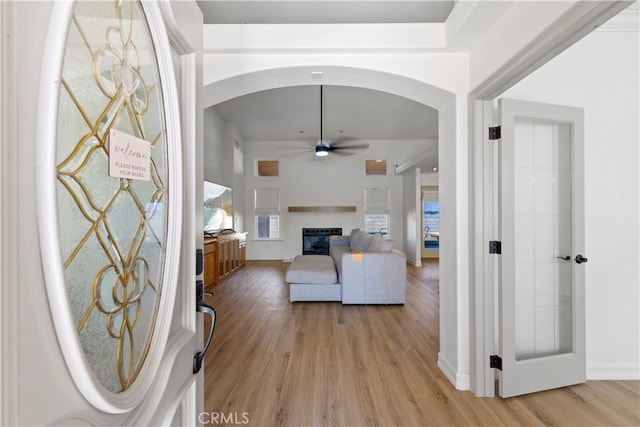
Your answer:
<point x="344" y="147"/>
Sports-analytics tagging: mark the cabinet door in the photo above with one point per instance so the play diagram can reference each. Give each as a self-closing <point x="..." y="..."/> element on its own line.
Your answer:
<point x="210" y="264"/>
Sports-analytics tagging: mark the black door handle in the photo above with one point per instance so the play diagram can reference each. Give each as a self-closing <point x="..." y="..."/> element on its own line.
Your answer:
<point x="201" y="307"/>
<point x="580" y="259"/>
<point x="565" y="258"/>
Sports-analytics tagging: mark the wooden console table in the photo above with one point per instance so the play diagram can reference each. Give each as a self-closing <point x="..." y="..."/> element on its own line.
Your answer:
<point x="223" y="254"/>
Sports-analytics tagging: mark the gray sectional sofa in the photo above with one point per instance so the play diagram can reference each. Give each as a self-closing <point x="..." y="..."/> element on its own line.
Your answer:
<point x="360" y="269"/>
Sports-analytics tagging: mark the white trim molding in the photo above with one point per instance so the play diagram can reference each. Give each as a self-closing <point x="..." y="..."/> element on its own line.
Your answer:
<point x="627" y="20"/>
<point x="460" y="382"/>
<point x="577" y="22"/>
<point x="613" y="372"/>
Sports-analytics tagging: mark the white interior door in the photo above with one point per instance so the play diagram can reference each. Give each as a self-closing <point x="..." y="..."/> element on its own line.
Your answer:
<point x="102" y="322"/>
<point x="541" y="292"/>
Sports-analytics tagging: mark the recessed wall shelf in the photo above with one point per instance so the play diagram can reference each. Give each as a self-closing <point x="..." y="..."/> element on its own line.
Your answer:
<point x="304" y="209"/>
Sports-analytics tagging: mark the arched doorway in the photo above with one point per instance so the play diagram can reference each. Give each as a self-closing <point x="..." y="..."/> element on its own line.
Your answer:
<point x="454" y="339"/>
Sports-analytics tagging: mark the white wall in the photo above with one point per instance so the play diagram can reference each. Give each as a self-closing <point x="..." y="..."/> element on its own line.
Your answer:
<point x="412" y="216"/>
<point x="510" y="32"/>
<point x="601" y="74"/>
<point x="224" y="161"/>
<point x="238" y="186"/>
<point x="217" y="135"/>
<point x="306" y="180"/>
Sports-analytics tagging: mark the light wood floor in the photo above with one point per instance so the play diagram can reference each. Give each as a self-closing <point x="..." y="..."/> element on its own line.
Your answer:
<point x="320" y="364"/>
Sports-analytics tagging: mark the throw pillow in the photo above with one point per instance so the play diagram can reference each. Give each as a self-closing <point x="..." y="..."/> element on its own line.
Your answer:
<point x="356" y="238"/>
<point x="353" y="233"/>
<point x="378" y="244"/>
<point x="364" y="243"/>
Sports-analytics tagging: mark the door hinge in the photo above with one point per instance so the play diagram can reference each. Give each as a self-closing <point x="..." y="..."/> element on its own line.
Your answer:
<point x="495" y="247"/>
<point x="495" y="361"/>
<point x="495" y="132"/>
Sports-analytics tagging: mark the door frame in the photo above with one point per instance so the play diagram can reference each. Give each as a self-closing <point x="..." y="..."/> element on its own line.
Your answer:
<point x="9" y="238"/>
<point x="576" y="23"/>
<point x="190" y="120"/>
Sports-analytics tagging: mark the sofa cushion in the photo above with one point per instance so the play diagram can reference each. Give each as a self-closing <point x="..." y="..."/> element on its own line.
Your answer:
<point x="312" y="258"/>
<point x="336" y="253"/>
<point x="378" y="244"/>
<point x="312" y="269"/>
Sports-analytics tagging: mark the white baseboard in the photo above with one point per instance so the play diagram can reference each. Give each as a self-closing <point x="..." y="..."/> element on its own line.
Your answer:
<point x="459" y="381"/>
<point x="613" y="372"/>
<point x="414" y="262"/>
<point x="463" y="382"/>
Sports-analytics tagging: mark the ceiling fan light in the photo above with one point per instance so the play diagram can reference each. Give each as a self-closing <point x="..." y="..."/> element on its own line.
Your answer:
<point x="322" y="150"/>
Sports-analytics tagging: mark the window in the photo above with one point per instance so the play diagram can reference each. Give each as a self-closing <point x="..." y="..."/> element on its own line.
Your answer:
<point x="376" y="224"/>
<point x="268" y="168"/>
<point x="375" y="167"/>
<point x="268" y="226"/>
<point x="377" y="210"/>
<point x="431" y="222"/>
<point x="430" y="217"/>
<point x="267" y="212"/>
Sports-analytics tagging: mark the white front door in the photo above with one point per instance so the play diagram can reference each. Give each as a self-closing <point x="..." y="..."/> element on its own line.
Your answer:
<point x="541" y="292"/>
<point x="98" y="247"/>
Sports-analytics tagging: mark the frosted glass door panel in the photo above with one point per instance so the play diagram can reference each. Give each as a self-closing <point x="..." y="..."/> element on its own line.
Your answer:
<point x="543" y="238"/>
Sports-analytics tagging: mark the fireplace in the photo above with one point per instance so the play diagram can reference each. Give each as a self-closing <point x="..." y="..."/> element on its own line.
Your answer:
<point x="315" y="241"/>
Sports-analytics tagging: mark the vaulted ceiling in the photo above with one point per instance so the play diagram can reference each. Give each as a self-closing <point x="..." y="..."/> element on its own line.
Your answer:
<point x="293" y="113"/>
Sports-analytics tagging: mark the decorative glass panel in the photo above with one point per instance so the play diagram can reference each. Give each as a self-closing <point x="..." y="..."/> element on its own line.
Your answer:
<point x="112" y="230"/>
<point x="543" y="236"/>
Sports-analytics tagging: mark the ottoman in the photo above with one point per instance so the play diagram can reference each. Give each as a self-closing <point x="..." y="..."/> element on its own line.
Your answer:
<point x="313" y="278"/>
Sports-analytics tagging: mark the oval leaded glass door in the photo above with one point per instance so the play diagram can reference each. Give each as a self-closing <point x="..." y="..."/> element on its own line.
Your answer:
<point x="114" y="177"/>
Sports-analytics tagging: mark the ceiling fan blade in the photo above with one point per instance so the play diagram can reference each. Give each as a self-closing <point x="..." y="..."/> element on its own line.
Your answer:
<point x="297" y="150"/>
<point x="345" y="152"/>
<point x="359" y="147"/>
<point x="345" y="147"/>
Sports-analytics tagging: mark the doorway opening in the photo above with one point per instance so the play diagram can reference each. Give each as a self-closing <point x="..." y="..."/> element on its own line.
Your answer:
<point x="453" y="347"/>
<point x="430" y="222"/>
